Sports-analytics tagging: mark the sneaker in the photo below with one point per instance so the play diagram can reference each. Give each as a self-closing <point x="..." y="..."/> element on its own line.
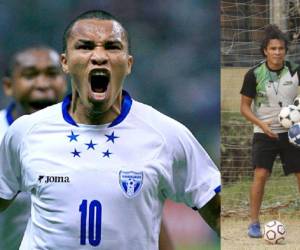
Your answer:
<point x="254" y="230"/>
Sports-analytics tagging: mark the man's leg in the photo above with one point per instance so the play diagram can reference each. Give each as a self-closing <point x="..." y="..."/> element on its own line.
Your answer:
<point x="298" y="179"/>
<point x="257" y="191"/>
<point x="256" y="196"/>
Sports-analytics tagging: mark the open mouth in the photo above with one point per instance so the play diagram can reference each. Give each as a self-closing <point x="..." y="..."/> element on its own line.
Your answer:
<point x="99" y="80"/>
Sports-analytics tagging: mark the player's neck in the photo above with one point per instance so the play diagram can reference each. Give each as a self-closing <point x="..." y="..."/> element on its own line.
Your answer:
<point x="91" y="115"/>
<point x="18" y="111"/>
<point x="274" y="67"/>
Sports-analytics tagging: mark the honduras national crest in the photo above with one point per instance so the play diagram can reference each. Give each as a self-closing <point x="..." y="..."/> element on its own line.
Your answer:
<point x="131" y="182"/>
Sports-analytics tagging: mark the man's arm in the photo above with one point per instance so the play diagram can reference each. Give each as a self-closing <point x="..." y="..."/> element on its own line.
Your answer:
<point x="165" y="242"/>
<point x="211" y="213"/>
<point x="246" y="111"/>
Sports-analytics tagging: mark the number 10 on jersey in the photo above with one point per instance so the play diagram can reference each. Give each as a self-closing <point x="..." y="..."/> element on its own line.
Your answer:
<point x="92" y="214"/>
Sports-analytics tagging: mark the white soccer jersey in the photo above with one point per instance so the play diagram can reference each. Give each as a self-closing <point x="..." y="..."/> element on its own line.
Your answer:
<point x="102" y="186"/>
<point x="13" y="220"/>
<point x="4" y="124"/>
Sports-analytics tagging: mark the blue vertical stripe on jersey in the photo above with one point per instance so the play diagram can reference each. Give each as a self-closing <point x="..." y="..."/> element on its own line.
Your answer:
<point x="126" y="106"/>
<point x="65" y="106"/>
<point x="9" y="116"/>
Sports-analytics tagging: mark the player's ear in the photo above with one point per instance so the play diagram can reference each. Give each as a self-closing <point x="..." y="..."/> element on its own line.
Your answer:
<point x="64" y="63"/>
<point x="129" y="64"/>
<point x="7" y="86"/>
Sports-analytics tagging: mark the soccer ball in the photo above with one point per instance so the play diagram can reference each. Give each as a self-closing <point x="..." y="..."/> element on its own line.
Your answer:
<point x="294" y="134"/>
<point x="297" y="102"/>
<point x="274" y="232"/>
<point x="288" y="116"/>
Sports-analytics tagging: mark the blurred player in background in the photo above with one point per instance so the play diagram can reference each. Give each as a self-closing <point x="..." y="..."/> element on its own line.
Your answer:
<point x="271" y="85"/>
<point x="103" y="164"/>
<point x="34" y="80"/>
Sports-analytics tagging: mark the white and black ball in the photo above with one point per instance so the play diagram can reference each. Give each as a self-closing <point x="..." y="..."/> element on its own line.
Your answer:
<point x="288" y="116"/>
<point x="274" y="232"/>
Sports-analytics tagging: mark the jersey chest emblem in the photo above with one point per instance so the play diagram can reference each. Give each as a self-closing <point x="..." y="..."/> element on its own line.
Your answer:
<point x="131" y="182"/>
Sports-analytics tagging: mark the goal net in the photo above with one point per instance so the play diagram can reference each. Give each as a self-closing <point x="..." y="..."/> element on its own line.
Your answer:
<point x="242" y="26"/>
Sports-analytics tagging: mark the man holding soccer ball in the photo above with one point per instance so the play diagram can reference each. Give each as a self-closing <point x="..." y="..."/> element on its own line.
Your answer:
<point x="270" y="85"/>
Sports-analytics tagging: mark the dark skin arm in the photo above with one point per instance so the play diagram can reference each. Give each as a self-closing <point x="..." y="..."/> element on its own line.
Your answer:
<point x="165" y="242"/>
<point x="211" y="213"/>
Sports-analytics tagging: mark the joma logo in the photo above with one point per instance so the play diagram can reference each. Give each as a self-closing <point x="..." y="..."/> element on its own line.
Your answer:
<point x="52" y="179"/>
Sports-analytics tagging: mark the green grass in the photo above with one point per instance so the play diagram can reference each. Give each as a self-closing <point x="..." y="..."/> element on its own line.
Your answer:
<point x="279" y="191"/>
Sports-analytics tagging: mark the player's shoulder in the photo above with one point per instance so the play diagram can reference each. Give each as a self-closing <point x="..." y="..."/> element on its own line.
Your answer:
<point x="159" y="122"/>
<point x="2" y="115"/>
<point x="3" y="123"/>
<point x="153" y="116"/>
<point x="26" y="123"/>
<point x="255" y="73"/>
<point x="293" y="67"/>
<point x="258" y="68"/>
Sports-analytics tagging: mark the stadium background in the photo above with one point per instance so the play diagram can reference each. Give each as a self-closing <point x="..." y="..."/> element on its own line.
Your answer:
<point x="242" y="27"/>
<point x="176" y="69"/>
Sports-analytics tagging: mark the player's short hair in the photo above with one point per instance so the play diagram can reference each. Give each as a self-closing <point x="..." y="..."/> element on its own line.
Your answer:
<point x="92" y="14"/>
<point x="13" y="60"/>
<point x="273" y="32"/>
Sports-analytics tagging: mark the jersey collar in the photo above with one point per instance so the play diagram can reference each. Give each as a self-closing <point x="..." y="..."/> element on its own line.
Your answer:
<point x="126" y="106"/>
<point x="9" y="116"/>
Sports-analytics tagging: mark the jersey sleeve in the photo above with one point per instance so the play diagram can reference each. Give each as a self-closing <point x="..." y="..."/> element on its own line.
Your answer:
<point x="194" y="178"/>
<point x="10" y="177"/>
<point x="249" y="85"/>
